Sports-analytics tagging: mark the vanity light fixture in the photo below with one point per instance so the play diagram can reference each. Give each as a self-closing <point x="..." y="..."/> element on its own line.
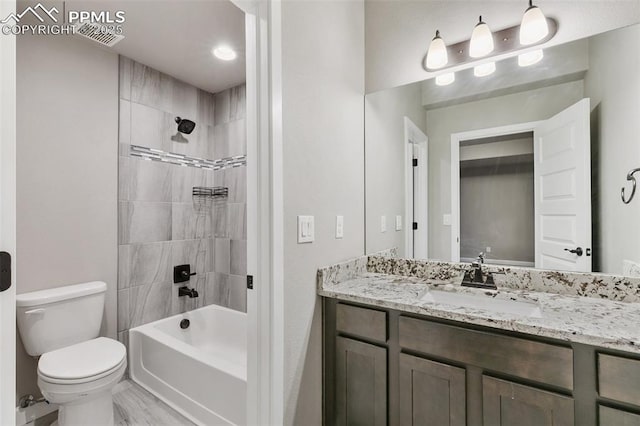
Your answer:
<point x="530" y="58"/>
<point x="534" y="26"/>
<point x="446" y="79"/>
<point x="484" y="69"/>
<point x="481" y="43"/>
<point x="535" y="29"/>
<point x="225" y="53"/>
<point x="437" y="54"/>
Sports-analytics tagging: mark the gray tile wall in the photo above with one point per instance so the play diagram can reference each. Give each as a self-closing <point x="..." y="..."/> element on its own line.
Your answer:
<point x="160" y="224"/>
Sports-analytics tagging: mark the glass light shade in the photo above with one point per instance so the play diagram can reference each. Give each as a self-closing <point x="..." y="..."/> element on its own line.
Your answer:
<point x="445" y="79"/>
<point x="437" y="55"/>
<point x="534" y="26"/>
<point x="484" y="69"/>
<point x="530" y="58"/>
<point x="481" y="41"/>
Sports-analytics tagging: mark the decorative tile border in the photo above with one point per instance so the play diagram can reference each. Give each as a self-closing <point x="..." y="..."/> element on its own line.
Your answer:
<point x="153" y="154"/>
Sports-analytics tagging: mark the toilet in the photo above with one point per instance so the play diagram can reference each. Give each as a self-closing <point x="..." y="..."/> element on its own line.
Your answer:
<point x="77" y="369"/>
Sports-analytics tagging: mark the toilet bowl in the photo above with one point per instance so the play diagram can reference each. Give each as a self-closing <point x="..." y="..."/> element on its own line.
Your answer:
<point x="79" y="378"/>
<point x="77" y="370"/>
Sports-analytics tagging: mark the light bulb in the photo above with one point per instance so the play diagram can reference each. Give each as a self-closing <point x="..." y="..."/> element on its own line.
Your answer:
<point x="530" y="58"/>
<point x="484" y="69"/>
<point x="534" y="25"/>
<point x="481" y="40"/>
<point x="445" y="79"/>
<point x="437" y="55"/>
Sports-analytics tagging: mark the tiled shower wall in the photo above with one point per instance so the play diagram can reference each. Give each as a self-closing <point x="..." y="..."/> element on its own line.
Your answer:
<point x="160" y="224"/>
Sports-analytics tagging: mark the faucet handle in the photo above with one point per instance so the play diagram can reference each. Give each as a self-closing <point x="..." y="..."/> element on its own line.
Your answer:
<point x="480" y="258"/>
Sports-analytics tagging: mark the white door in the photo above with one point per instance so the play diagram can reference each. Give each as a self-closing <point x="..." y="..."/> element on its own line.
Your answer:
<point x="416" y="184"/>
<point x="562" y="171"/>
<point x="7" y="218"/>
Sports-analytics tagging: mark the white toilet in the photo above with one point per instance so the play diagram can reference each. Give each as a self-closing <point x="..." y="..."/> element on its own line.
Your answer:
<point x="77" y="369"/>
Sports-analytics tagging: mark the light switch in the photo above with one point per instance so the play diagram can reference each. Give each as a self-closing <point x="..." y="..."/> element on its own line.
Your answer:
<point x="305" y="229"/>
<point x="339" y="226"/>
<point x="398" y="223"/>
<point x="446" y="220"/>
<point x="383" y="224"/>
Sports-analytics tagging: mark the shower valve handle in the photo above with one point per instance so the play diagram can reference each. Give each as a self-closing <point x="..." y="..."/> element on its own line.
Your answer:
<point x="182" y="273"/>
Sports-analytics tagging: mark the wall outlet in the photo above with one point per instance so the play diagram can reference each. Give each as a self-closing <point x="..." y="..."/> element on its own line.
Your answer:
<point x="446" y="219"/>
<point x="339" y="227"/>
<point x="383" y="224"/>
<point x="398" y="223"/>
<point x="488" y="250"/>
<point x="306" y="230"/>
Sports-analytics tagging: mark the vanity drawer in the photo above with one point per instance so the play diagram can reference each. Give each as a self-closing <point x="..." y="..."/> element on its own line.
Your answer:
<point x="362" y="322"/>
<point x="619" y="378"/>
<point x="540" y="362"/>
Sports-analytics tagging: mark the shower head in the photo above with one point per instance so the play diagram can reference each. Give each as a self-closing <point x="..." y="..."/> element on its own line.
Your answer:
<point x="185" y="126"/>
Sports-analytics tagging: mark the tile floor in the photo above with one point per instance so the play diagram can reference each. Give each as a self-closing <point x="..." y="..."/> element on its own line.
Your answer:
<point x="134" y="406"/>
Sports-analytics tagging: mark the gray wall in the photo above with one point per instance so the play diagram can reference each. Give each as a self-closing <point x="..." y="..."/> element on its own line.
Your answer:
<point x="385" y="159"/>
<point x="613" y="84"/>
<point x="398" y="32"/>
<point x="323" y="131"/>
<point x="497" y="211"/>
<point x="520" y="107"/>
<point x="161" y="224"/>
<point x="67" y="173"/>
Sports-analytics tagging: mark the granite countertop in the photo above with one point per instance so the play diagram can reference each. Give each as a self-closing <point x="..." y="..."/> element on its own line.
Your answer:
<point x="592" y="321"/>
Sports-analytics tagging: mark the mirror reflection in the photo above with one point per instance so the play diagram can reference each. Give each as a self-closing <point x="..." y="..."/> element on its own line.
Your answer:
<point x="523" y="167"/>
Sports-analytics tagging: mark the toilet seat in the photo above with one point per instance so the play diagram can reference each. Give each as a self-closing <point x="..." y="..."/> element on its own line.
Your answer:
<point x="83" y="362"/>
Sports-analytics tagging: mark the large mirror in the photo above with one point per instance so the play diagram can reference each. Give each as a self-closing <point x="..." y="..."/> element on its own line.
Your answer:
<point x="525" y="165"/>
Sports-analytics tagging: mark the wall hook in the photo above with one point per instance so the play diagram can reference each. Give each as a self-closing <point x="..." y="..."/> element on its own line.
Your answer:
<point x="633" y="186"/>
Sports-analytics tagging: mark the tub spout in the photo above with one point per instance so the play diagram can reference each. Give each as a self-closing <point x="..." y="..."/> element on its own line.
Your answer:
<point x="186" y="291"/>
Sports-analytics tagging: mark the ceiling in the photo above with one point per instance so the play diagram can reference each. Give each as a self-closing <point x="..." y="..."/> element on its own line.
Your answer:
<point x="176" y="37"/>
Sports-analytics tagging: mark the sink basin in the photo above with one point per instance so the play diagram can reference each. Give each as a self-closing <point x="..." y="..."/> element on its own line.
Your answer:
<point x="485" y="303"/>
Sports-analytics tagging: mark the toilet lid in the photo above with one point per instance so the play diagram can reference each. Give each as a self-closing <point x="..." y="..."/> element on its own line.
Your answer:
<point x="82" y="360"/>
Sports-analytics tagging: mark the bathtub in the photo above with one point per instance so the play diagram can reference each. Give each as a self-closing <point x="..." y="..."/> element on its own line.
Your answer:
<point x="200" y="371"/>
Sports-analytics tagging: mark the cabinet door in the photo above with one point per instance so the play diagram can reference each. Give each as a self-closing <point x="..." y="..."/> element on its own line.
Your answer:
<point x="361" y="383"/>
<point x="613" y="417"/>
<point x="506" y="404"/>
<point x="431" y="393"/>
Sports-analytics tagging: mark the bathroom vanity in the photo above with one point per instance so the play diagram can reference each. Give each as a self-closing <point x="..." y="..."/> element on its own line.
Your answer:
<point x="399" y="351"/>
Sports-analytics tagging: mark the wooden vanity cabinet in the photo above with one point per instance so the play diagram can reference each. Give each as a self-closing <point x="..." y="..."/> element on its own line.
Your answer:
<point x="360" y="383"/>
<point x="431" y="393"/>
<point x="384" y="367"/>
<point x="506" y="403"/>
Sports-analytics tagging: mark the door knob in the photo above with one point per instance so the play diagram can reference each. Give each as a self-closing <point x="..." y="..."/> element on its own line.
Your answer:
<point x="577" y="251"/>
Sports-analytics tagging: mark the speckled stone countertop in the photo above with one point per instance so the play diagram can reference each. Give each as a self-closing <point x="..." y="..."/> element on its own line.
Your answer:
<point x="573" y="318"/>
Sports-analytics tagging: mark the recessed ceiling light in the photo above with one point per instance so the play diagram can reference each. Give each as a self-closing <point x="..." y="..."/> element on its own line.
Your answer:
<point x="225" y="53"/>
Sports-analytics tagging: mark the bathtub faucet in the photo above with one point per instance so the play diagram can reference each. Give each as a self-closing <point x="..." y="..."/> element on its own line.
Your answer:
<point x="186" y="291"/>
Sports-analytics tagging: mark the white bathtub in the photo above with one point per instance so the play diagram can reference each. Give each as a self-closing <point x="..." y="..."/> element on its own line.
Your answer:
<point x="200" y="371"/>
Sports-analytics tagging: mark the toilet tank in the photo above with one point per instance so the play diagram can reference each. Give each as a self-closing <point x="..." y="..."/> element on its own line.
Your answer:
<point x="58" y="317"/>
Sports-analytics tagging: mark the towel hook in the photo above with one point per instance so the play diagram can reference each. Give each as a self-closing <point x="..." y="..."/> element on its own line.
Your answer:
<point x="633" y="187"/>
